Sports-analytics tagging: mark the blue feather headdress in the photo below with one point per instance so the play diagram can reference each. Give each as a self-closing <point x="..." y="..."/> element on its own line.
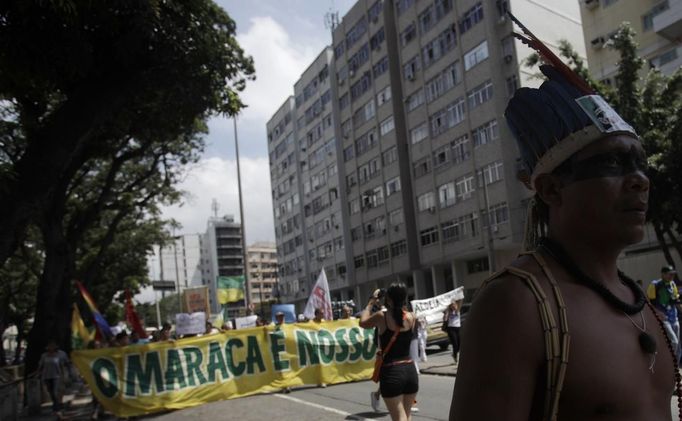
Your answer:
<point x="558" y="119"/>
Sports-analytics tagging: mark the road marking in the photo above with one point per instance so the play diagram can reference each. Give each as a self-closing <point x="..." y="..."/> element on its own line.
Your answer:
<point x="348" y="415"/>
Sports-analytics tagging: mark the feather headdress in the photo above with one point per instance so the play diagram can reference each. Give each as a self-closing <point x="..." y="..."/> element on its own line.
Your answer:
<point x="554" y="122"/>
<point x="561" y="117"/>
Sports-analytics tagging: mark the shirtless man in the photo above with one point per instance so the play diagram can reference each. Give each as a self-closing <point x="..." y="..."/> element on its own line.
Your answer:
<point x="593" y="200"/>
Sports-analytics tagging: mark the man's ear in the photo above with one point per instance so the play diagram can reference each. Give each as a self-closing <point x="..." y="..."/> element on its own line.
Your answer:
<point x="548" y="188"/>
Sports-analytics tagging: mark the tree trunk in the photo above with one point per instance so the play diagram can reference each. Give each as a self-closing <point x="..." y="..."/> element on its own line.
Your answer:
<point x="54" y="154"/>
<point x="53" y="315"/>
<point x="664" y="246"/>
<point x="676" y="243"/>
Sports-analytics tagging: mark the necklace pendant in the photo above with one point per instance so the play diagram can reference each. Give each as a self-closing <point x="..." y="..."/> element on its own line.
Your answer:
<point x="647" y="342"/>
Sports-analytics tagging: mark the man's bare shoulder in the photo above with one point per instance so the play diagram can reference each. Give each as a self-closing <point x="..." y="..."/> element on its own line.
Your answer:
<point x="510" y="294"/>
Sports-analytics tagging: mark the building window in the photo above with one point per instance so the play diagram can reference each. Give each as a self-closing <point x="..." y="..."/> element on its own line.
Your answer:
<point x="605" y="3"/>
<point x="485" y="133"/>
<point x="411" y="68"/>
<point x="395" y="218"/>
<point x="361" y="86"/>
<point x="380" y="67"/>
<point x="491" y="173"/>
<point x="446" y="195"/>
<point x="648" y="18"/>
<point x="512" y="85"/>
<point x="443" y="82"/>
<point x="384" y="96"/>
<point x="365" y="113"/>
<point x="376" y="39"/>
<point x="354" y="206"/>
<point x="477" y="265"/>
<point x="461" y="150"/>
<point x="344" y="101"/>
<point x="358" y="59"/>
<point x="359" y="261"/>
<point x="499" y="214"/>
<point x="470" y="18"/>
<point x="389" y="156"/>
<point x="419" y="133"/>
<point x="339" y="50"/>
<point x="665" y="58"/>
<point x="464" y="186"/>
<point x="480" y="94"/>
<point x="357" y="31"/>
<point x="402" y="5"/>
<point x="399" y="248"/>
<point x="386" y="126"/>
<point x="441" y="156"/>
<point x="448" y="117"/>
<point x="374" y="11"/>
<point x="476" y="55"/>
<point x="422" y="167"/>
<point x="426" y="20"/>
<point x="429" y="236"/>
<point x="383" y="254"/>
<point x="426" y="202"/>
<point x="415" y="100"/>
<point x="460" y="228"/>
<point x="392" y="186"/>
<point x="408" y="34"/>
<point x="439" y="46"/>
<point x="348" y="153"/>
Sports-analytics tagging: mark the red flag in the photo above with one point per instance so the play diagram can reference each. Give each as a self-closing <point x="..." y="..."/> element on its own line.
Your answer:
<point x="131" y="317"/>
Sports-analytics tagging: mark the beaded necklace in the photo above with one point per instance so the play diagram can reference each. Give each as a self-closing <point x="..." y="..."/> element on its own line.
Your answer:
<point x="558" y="253"/>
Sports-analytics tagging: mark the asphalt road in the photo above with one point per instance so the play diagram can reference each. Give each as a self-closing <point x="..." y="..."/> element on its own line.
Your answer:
<point x="348" y="401"/>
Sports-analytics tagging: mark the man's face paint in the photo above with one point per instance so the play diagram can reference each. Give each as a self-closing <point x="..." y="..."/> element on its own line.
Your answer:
<point x="615" y="163"/>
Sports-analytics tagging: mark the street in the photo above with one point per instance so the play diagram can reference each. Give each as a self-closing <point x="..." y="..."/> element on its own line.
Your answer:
<point x="348" y="401"/>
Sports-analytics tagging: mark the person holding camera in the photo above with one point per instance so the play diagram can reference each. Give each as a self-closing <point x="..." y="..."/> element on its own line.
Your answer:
<point x="398" y="379"/>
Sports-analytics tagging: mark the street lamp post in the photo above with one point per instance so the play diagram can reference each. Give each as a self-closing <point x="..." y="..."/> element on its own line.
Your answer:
<point x="247" y="296"/>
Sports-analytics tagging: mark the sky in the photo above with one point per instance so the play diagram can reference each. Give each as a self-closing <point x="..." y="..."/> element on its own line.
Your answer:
<point x="282" y="46"/>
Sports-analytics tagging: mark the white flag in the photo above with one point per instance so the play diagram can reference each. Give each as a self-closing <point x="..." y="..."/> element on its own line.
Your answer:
<point x="319" y="298"/>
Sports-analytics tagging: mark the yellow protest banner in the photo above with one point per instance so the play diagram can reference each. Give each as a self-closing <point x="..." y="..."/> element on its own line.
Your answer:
<point x="143" y="379"/>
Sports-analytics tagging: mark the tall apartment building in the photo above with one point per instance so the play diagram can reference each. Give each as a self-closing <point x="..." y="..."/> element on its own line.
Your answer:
<point x="425" y="164"/>
<point x="659" y="31"/>
<point x="222" y="255"/>
<point x="262" y="262"/>
<point x="179" y="262"/>
<point x="304" y="172"/>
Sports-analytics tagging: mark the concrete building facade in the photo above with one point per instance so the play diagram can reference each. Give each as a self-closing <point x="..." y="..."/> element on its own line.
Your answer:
<point x="223" y="255"/>
<point x="179" y="262"/>
<point x="425" y="163"/>
<point x="658" y="25"/>
<point x="262" y="262"/>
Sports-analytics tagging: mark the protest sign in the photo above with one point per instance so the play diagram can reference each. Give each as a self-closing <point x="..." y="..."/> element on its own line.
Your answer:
<point x="244" y="322"/>
<point x="432" y="308"/>
<point x="190" y="324"/>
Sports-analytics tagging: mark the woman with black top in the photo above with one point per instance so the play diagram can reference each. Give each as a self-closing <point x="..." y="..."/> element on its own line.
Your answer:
<point x="398" y="379"/>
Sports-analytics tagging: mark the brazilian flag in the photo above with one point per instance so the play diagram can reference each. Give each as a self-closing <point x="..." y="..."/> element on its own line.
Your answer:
<point x="230" y="289"/>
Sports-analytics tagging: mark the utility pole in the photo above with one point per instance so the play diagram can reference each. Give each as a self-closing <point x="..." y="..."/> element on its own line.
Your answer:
<point x="247" y="295"/>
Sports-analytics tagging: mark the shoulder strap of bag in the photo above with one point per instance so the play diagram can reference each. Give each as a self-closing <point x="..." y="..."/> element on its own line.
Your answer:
<point x="556" y="335"/>
<point x="393" y="338"/>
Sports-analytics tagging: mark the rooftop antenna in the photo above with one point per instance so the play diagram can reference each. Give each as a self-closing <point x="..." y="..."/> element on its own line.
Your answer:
<point x="214" y="207"/>
<point x="331" y="18"/>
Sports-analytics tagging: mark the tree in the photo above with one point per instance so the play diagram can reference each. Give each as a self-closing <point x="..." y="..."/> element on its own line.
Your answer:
<point x="653" y="105"/>
<point x="100" y="101"/>
<point x="78" y="77"/>
<point x="19" y="279"/>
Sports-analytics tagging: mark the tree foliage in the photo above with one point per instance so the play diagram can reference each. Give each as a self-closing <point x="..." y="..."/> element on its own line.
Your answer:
<point x="102" y="106"/>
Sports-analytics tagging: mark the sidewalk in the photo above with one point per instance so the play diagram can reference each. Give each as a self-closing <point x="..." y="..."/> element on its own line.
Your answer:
<point x="440" y="364"/>
<point x="77" y="407"/>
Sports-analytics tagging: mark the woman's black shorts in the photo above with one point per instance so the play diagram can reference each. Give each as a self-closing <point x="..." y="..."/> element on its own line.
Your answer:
<point x="399" y="379"/>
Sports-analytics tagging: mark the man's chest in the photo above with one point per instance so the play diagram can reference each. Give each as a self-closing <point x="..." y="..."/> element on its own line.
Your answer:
<point x="609" y="373"/>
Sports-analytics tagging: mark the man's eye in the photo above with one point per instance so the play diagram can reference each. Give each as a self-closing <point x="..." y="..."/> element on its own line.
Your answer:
<point x="610" y="161"/>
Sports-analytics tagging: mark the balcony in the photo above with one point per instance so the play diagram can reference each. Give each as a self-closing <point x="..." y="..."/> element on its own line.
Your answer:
<point x="668" y="23"/>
